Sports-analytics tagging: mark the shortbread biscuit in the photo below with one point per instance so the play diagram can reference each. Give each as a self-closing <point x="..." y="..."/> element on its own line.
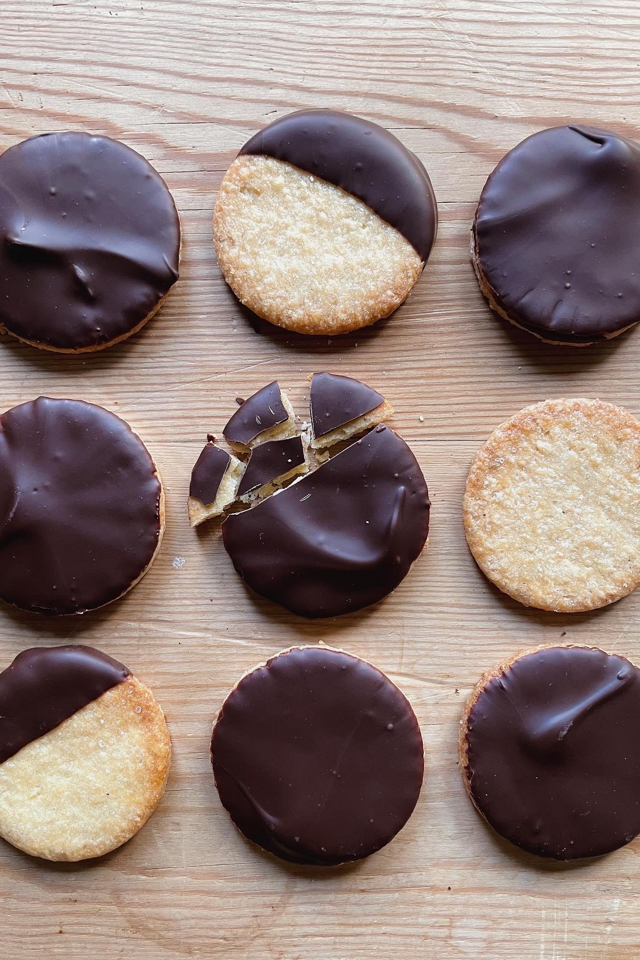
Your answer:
<point x="215" y="479"/>
<point x="552" y="505"/>
<point x="550" y="751"/>
<point x="324" y="222"/>
<point x="271" y="466"/>
<point x="84" y="753"/>
<point x="341" y="408"/>
<point x="265" y="415"/>
<point x="90" y="241"/>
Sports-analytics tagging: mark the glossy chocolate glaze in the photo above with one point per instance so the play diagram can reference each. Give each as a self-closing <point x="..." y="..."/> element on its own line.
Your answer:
<point x="554" y="752"/>
<point x="79" y="506"/>
<point x="45" y="686"/>
<point x="557" y="234"/>
<point x="271" y="460"/>
<point x="364" y="160"/>
<point x="89" y="240"/>
<point x="336" y="400"/>
<point x="207" y="474"/>
<point x="259" y="412"/>
<point x="342" y="537"/>
<point x="318" y="757"/>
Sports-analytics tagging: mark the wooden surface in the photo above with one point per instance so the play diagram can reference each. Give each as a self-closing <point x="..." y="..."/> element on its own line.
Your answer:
<point x="186" y="82"/>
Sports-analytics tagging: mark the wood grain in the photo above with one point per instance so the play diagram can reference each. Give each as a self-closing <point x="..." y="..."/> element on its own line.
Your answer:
<point x="186" y="82"/>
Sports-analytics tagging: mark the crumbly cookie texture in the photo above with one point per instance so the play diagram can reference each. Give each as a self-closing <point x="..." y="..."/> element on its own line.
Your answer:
<point x="88" y="786"/>
<point x="552" y="505"/>
<point x="199" y="511"/>
<point x="371" y="419"/>
<point x="305" y="255"/>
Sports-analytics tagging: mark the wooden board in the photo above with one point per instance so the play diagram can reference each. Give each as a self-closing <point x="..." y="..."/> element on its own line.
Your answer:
<point x="186" y="82"/>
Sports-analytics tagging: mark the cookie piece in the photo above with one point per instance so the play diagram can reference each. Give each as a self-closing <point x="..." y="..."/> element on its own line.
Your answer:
<point x="340" y="538"/>
<point x="270" y="465"/>
<point x="265" y="415"/>
<point x="550" y="751"/>
<point x="324" y="222"/>
<point x="214" y="483"/>
<point x="84" y="753"/>
<point x="81" y="506"/>
<point x="317" y="757"/>
<point x="556" y="238"/>
<point x="89" y="241"/>
<point x="552" y="505"/>
<point x="342" y="407"/>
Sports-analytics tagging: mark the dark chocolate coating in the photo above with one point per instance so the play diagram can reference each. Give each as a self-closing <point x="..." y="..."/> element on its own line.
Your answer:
<point x="207" y="474"/>
<point x="89" y="240"/>
<point x="79" y="506"/>
<point x="336" y="400"/>
<point x="341" y="538"/>
<point x="364" y="160"/>
<point x="45" y="686"/>
<point x="317" y="757"/>
<point x="557" y="234"/>
<point x="271" y="460"/>
<point x="259" y="412"/>
<point x="554" y="752"/>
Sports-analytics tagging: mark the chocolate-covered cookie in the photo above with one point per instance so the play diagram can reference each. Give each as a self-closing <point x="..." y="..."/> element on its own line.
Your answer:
<point x="317" y="757"/>
<point x="270" y="465"/>
<point x="84" y="753"/>
<point x="556" y="238"/>
<point x="550" y="751"/>
<point x="342" y="537"/>
<point x="81" y="506"/>
<point x="89" y="241"/>
<point x="214" y="483"/>
<point x="324" y="222"/>
<point x="342" y="407"/>
<point x="266" y="415"/>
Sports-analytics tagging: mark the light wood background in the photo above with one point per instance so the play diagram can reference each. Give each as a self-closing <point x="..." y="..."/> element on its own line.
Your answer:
<point x="186" y="82"/>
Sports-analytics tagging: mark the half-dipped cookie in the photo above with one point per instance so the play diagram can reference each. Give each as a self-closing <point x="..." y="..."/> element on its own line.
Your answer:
<point x="324" y="222"/>
<point x="89" y="241"/>
<point x="84" y="753"/>
<point x="317" y="757"/>
<point x="342" y="407"/>
<point x="81" y="506"/>
<point x="556" y="237"/>
<point x="340" y="538"/>
<point x="550" y="751"/>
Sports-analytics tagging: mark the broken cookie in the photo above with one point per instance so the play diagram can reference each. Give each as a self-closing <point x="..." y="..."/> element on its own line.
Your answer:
<point x="214" y="483"/>
<point x="270" y="465"/>
<point x="342" y="407"/>
<point x="266" y="415"/>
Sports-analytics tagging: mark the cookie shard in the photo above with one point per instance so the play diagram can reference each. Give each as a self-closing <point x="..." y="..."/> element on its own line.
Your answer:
<point x="46" y="685"/>
<point x="342" y="407"/>
<point x="265" y="415"/>
<point x="330" y="727"/>
<point x="340" y="538"/>
<point x="361" y="158"/>
<point x="270" y="465"/>
<point x="549" y="751"/>
<point x="214" y="484"/>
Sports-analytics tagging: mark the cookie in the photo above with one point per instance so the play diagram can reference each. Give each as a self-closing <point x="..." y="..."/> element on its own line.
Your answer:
<point x="84" y="753"/>
<point x="324" y="222"/>
<point x="81" y="507"/>
<point x="556" y="238"/>
<point x="552" y="505"/>
<point x="89" y="241"/>
<point x="317" y="757"/>
<point x="271" y="465"/>
<point x="342" y="537"/>
<point x="214" y="483"/>
<point x="342" y="407"/>
<point x="550" y="751"/>
<point x="265" y="415"/>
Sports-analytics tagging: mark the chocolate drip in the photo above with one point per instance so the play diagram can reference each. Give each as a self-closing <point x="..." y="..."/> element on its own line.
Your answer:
<point x="45" y="686"/>
<point x="554" y="752"/>
<point x="89" y="240"/>
<point x="271" y="460"/>
<point x="318" y="757"/>
<point x="208" y="472"/>
<point x="258" y="413"/>
<point x="361" y="158"/>
<point x="79" y="506"/>
<point x="336" y="400"/>
<point x="341" y="538"/>
<point x="557" y="233"/>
